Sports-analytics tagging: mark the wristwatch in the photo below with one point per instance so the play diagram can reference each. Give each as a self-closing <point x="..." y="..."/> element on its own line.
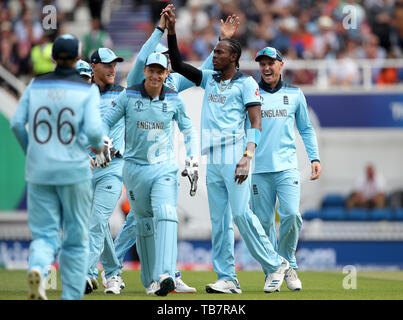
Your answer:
<point x="248" y="154"/>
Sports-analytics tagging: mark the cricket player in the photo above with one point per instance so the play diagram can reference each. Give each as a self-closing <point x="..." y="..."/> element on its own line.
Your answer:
<point x="276" y="169"/>
<point x="126" y="237"/>
<point x="85" y="70"/>
<point x="229" y="96"/>
<point x="150" y="170"/>
<point x="62" y="112"/>
<point x="107" y="181"/>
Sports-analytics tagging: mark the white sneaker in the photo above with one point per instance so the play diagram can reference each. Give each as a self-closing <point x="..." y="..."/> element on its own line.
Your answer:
<point x="113" y="285"/>
<point x="166" y="284"/>
<point x="275" y="280"/>
<point x="292" y="281"/>
<point x="180" y="286"/>
<point x="224" y="286"/>
<point x="35" y="285"/>
<point x="152" y="288"/>
<point x="103" y="277"/>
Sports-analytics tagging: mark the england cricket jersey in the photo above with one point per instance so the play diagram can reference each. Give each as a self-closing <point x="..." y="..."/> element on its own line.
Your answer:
<point x="282" y="108"/>
<point x="175" y="81"/>
<point x="150" y="124"/>
<point x="62" y="111"/>
<point x="224" y="110"/>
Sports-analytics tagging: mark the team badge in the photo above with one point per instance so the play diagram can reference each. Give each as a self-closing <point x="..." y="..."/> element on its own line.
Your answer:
<point x="138" y="106"/>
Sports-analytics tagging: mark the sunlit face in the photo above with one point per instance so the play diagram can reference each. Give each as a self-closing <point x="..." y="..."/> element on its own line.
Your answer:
<point x="270" y="69"/>
<point x="155" y="75"/>
<point x="104" y="72"/>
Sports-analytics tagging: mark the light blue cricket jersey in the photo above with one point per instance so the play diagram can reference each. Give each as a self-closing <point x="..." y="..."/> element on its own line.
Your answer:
<point x="62" y="111"/>
<point x="108" y="97"/>
<point x="150" y="124"/>
<point x="224" y="109"/>
<point x="175" y="81"/>
<point x="282" y="108"/>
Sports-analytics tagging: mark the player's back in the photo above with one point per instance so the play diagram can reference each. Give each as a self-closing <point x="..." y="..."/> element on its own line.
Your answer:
<point x="59" y="118"/>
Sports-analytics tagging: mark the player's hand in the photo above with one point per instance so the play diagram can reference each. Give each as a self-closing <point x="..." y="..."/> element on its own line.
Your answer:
<point x="316" y="170"/>
<point x="242" y="170"/>
<point x="192" y="172"/>
<point x="170" y="17"/>
<point x="103" y="159"/>
<point x="163" y="24"/>
<point x="229" y="27"/>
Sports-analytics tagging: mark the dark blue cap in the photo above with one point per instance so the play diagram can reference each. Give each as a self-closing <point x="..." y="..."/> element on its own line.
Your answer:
<point x="104" y="55"/>
<point x="66" y="46"/>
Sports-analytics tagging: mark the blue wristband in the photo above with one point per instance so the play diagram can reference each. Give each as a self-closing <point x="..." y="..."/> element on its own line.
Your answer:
<point x="253" y="135"/>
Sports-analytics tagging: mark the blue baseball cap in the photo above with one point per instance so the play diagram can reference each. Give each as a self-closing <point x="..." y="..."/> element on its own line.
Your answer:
<point x="84" y="68"/>
<point x="105" y="55"/>
<point x="66" y="46"/>
<point x="270" y="52"/>
<point x="157" y="58"/>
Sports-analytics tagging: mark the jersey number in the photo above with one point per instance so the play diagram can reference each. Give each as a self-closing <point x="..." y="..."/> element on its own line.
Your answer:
<point x="60" y="125"/>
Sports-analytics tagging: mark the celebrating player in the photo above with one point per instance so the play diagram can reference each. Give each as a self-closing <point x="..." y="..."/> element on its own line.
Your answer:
<point x="59" y="106"/>
<point x="107" y="181"/>
<point x="276" y="168"/>
<point x="126" y="237"/>
<point x="85" y="70"/>
<point x="229" y="96"/>
<point x="150" y="170"/>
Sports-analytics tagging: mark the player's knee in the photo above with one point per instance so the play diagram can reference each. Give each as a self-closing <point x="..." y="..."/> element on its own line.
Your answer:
<point x="145" y="227"/>
<point x="165" y="212"/>
<point x="292" y="217"/>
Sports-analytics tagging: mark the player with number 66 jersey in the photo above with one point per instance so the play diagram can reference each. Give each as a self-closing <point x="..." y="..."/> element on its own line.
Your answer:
<point x="62" y="111"/>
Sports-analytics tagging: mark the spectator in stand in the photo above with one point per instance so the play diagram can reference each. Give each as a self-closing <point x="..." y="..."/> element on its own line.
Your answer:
<point x="381" y="19"/>
<point x="369" y="190"/>
<point x="345" y="72"/>
<point x="326" y="38"/>
<point x="398" y="22"/>
<point x="8" y="51"/>
<point x="191" y="19"/>
<point x="41" y="55"/>
<point x="375" y="52"/>
<point x="96" y="38"/>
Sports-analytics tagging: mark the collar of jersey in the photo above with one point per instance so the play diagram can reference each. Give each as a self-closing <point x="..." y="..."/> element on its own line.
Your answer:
<point x="146" y="95"/>
<point x="65" y="70"/>
<point x="217" y="76"/>
<point x="267" y="88"/>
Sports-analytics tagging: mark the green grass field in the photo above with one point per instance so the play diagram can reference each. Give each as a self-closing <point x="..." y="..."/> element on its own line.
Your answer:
<point x="371" y="285"/>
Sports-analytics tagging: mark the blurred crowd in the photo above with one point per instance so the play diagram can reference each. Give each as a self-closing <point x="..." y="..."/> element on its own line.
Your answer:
<point x="301" y="29"/>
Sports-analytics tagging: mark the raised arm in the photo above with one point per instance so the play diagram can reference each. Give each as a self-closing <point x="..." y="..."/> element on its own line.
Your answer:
<point x="136" y="74"/>
<point x="187" y="70"/>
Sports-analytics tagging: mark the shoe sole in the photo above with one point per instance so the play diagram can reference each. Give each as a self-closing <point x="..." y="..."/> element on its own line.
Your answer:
<point x="210" y="289"/>
<point x="193" y="291"/>
<point x="111" y="292"/>
<point x="166" y="286"/>
<point x="34" y="279"/>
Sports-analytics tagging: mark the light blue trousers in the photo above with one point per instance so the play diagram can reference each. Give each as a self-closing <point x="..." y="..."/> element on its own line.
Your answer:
<point x="153" y="194"/>
<point x="286" y="186"/>
<point x="107" y="190"/>
<point x="50" y="210"/>
<point x="229" y="202"/>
